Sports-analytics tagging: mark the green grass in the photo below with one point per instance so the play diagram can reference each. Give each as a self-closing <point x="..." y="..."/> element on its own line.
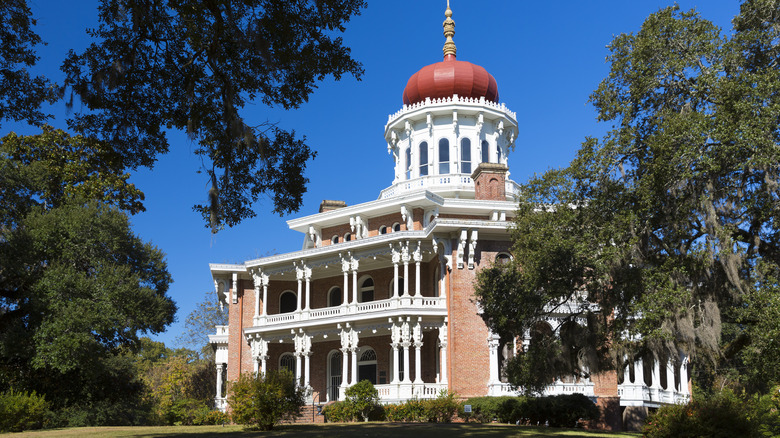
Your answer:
<point x="348" y="430"/>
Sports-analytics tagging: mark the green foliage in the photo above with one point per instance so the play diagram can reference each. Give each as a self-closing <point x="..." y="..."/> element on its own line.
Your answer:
<point x="193" y="66"/>
<point x="442" y="408"/>
<point x="200" y="324"/>
<point x="21" y="411"/>
<point x="206" y="416"/>
<point x="483" y="409"/>
<point x="363" y="398"/>
<point x="723" y="415"/>
<point x="339" y="412"/>
<point x="557" y="411"/>
<point x="669" y="220"/>
<point x="265" y="400"/>
<point x="20" y="94"/>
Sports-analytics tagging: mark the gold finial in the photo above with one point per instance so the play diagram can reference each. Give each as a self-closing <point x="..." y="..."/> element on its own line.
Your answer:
<point x="449" y="32"/>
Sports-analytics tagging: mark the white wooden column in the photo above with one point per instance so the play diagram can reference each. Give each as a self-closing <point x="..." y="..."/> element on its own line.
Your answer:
<point x="265" y="280"/>
<point x="354" y="266"/>
<point x="627" y="372"/>
<point x="418" y="343"/>
<point x="220" y="367"/>
<point x="639" y="372"/>
<point x="257" y="295"/>
<point x="656" y="374"/>
<point x="417" y="260"/>
<point x="354" y="350"/>
<point x="493" y="344"/>
<point x="405" y="342"/>
<point x="684" y="374"/>
<point x="345" y="292"/>
<point x="395" y="338"/>
<point x="396" y="260"/>
<point x="299" y="277"/>
<point x="443" y="352"/>
<point x="345" y="341"/>
<point x="670" y="386"/>
<point x="405" y="258"/>
<point x="307" y="277"/>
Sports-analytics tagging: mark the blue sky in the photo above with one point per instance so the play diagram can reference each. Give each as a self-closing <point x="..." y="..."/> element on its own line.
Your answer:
<point x="547" y="58"/>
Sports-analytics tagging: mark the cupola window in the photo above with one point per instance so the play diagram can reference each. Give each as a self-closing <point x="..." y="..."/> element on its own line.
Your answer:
<point x="423" y="158"/>
<point x="485" y="151"/>
<point x="498" y="154"/>
<point x="465" y="156"/>
<point x="334" y="239"/>
<point x="444" y="156"/>
<point x="383" y="229"/>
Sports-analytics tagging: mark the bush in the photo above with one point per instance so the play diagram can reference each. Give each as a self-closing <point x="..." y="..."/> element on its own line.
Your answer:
<point x="722" y="415"/>
<point x="21" y="411"/>
<point x="264" y="401"/>
<point x="338" y="412"/>
<point x="208" y="417"/>
<point x="442" y="408"/>
<point x="483" y="409"/>
<point x="363" y="398"/>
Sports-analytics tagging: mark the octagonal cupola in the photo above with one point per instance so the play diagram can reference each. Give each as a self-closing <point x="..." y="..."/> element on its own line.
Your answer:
<point x="450" y="123"/>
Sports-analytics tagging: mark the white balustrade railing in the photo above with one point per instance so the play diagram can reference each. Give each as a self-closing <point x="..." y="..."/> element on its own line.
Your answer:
<point x="390" y="393"/>
<point x="370" y="308"/>
<point x="222" y="330"/>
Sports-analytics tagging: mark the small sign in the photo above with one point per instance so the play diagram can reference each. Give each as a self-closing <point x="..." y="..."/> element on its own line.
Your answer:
<point x="467" y="409"/>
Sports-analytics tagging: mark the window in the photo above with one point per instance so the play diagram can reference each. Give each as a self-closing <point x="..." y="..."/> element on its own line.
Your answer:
<point x="383" y="229"/>
<point x="465" y="156"/>
<point x="408" y="163"/>
<point x="444" y="156"/>
<point x="287" y="362"/>
<point x="334" y="239"/>
<point x="347" y="237"/>
<point x="396" y="227"/>
<point x="288" y="302"/>
<point x="503" y="259"/>
<point x="367" y="366"/>
<point x="423" y="158"/>
<point x="334" y="297"/>
<point x="367" y="290"/>
<point x="485" y="151"/>
<point x="498" y="154"/>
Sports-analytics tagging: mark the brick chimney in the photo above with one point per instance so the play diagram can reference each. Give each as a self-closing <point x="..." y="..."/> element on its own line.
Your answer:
<point x="489" y="182"/>
<point x="328" y="205"/>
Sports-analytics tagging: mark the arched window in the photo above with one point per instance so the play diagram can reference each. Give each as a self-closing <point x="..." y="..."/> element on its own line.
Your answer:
<point x="367" y="290"/>
<point x="383" y="229"/>
<point x="465" y="156"/>
<point x="503" y="259"/>
<point x="423" y="158"/>
<point x="335" y="297"/>
<point x="288" y="302"/>
<point x="485" y="151"/>
<point x="408" y="163"/>
<point x="367" y="366"/>
<point x="444" y="156"/>
<point x="498" y="154"/>
<point x="347" y="237"/>
<point x="396" y="227"/>
<point x="334" y="239"/>
<point x="287" y="362"/>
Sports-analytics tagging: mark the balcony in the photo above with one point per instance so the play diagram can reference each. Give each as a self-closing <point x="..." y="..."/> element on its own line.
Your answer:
<point x="354" y="312"/>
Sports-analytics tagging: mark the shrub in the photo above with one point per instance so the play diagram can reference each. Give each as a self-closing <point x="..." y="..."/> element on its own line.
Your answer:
<point x="442" y="408"/>
<point x="483" y="409"/>
<point x="722" y="415"/>
<point x="363" y="397"/>
<point x="338" y="412"/>
<point x="209" y="417"/>
<point x="21" y="411"/>
<point x="266" y="400"/>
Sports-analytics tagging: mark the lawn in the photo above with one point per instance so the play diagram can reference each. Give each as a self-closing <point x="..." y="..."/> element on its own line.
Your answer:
<point x="349" y="430"/>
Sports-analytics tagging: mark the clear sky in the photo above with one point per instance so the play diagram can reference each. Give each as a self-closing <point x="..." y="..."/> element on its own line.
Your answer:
<point x="547" y="57"/>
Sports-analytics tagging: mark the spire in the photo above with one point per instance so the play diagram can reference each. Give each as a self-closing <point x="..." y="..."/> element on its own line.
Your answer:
<point x="449" y="32"/>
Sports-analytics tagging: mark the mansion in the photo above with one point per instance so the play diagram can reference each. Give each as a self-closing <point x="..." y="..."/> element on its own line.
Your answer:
<point x="384" y="290"/>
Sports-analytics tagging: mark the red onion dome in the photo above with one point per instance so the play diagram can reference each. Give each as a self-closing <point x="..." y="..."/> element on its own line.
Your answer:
<point x="448" y="77"/>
